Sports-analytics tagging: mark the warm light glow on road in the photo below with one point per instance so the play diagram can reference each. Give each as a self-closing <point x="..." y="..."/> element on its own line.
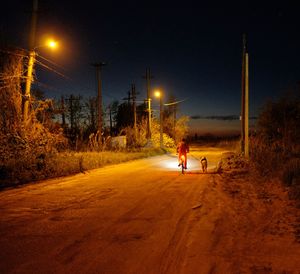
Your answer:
<point x="172" y="164"/>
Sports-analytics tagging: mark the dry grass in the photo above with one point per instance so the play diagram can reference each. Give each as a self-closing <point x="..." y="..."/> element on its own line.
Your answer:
<point x="66" y="163"/>
<point x="273" y="160"/>
<point x="291" y="178"/>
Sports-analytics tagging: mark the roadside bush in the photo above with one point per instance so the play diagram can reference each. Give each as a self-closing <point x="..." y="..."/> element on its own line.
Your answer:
<point x="139" y="139"/>
<point x="291" y="178"/>
<point x="231" y="161"/>
<point x="23" y="144"/>
<point x="265" y="158"/>
<point x="294" y="191"/>
<point x="291" y="173"/>
<point x="181" y="128"/>
<point x="276" y="141"/>
<point x="275" y="149"/>
<point x="168" y="142"/>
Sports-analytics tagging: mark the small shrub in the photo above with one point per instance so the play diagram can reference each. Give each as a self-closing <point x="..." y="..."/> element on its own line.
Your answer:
<point x="291" y="173"/>
<point x="277" y="138"/>
<point x="294" y="192"/>
<point x="265" y="158"/>
<point x="231" y="161"/>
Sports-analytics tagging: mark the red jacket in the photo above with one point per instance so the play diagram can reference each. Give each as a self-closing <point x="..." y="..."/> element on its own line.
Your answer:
<point x="183" y="148"/>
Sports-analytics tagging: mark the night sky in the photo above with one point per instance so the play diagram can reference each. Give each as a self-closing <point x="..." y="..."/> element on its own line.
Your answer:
<point x="193" y="49"/>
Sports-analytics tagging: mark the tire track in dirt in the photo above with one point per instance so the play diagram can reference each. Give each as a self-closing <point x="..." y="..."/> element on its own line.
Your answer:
<point x="143" y="226"/>
<point x="122" y="229"/>
<point x="202" y="236"/>
<point x="150" y="225"/>
<point x="174" y="255"/>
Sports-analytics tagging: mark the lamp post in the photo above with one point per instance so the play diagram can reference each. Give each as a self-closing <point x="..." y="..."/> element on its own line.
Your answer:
<point x="32" y="56"/>
<point x="245" y="101"/>
<point x="158" y="94"/>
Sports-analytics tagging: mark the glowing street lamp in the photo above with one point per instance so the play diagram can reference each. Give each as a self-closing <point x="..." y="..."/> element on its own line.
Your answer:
<point x="158" y="94"/>
<point x="50" y="43"/>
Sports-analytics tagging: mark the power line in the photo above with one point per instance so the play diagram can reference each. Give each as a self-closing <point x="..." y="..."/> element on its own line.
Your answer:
<point x="51" y="69"/>
<point x="51" y="62"/>
<point x="174" y="103"/>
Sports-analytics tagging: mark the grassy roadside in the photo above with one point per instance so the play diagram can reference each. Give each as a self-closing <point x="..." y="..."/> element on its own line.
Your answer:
<point x="19" y="172"/>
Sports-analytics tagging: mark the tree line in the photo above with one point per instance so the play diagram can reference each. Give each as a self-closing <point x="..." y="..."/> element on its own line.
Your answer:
<point x="71" y="121"/>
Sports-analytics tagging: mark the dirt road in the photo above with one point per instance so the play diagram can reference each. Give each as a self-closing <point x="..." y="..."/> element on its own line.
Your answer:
<point x="145" y="217"/>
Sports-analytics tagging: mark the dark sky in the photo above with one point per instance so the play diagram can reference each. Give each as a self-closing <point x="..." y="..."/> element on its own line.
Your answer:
<point x="194" y="50"/>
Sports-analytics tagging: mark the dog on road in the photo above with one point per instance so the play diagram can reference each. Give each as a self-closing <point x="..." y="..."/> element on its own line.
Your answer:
<point x="203" y="161"/>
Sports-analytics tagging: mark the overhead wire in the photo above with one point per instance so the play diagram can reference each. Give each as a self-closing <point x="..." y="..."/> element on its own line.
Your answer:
<point x="51" y="62"/>
<point x="174" y="103"/>
<point x="53" y="70"/>
<point x="65" y="76"/>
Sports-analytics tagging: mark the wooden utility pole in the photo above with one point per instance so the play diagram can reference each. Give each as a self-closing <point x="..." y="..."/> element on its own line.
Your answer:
<point x="98" y="67"/>
<point x="92" y="109"/>
<point x="110" y="121"/>
<point x="30" y="60"/>
<point x="128" y="98"/>
<point x="174" y="122"/>
<point x="63" y="118"/>
<point x="133" y="94"/>
<point x="148" y="78"/>
<point x="72" y="112"/>
<point x="161" y="141"/>
<point x="247" y="105"/>
<point x="245" y="101"/>
<point x="113" y="109"/>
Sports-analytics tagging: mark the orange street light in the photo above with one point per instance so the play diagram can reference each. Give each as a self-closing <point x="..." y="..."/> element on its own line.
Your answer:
<point x="52" y="44"/>
<point x="157" y="94"/>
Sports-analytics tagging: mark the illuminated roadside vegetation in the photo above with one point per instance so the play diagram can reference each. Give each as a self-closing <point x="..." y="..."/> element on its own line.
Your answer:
<point x="58" y="141"/>
<point x="67" y="163"/>
<point x="275" y="148"/>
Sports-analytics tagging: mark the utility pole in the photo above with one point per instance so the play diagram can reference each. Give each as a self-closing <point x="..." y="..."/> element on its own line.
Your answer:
<point x="92" y="109"/>
<point x="161" y="122"/>
<point x="128" y="98"/>
<point x="247" y="105"/>
<point x="110" y="121"/>
<point x="148" y="77"/>
<point x="72" y="112"/>
<point x="63" y="111"/>
<point x="245" y="101"/>
<point x="174" y="122"/>
<point x="133" y="94"/>
<point x="112" y="110"/>
<point x="30" y="61"/>
<point x="172" y="108"/>
<point x="98" y="67"/>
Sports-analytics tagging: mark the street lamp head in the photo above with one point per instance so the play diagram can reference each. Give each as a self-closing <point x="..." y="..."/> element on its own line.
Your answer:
<point x="52" y="44"/>
<point x="48" y="43"/>
<point x="157" y="93"/>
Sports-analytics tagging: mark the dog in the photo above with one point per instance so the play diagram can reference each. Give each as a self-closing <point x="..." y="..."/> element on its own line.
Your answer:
<point x="203" y="161"/>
